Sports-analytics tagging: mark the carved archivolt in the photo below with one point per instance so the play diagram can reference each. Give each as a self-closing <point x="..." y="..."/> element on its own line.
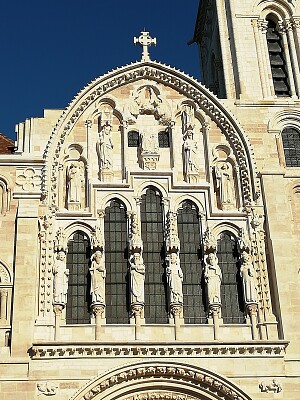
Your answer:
<point x="171" y="77"/>
<point x="180" y="379"/>
<point x="4" y="275"/>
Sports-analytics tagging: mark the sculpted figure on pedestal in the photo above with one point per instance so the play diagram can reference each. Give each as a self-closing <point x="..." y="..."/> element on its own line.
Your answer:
<point x="137" y="275"/>
<point x="247" y="273"/>
<point x="61" y="277"/>
<point x="175" y="278"/>
<point x="225" y="185"/>
<point x="190" y="155"/>
<point x="105" y="147"/>
<point x="149" y="142"/>
<point x="75" y="182"/>
<point x="213" y="278"/>
<point x="98" y="274"/>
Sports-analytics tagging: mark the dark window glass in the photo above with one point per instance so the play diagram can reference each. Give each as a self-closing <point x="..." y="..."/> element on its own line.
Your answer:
<point x="116" y="285"/>
<point x="164" y="139"/>
<point x="231" y="287"/>
<point x="291" y="147"/>
<point x="153" y="253"/>
<point x="190" y="256"/>
<point x="277" y="61"/>
<point x="77" y="310"/>
<point x="133" y="139"/>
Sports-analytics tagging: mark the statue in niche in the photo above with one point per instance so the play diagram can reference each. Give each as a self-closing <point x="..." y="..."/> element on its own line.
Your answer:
<point x="149" y="142"/>
<point x="190" y="156"/>
<point x="213" y="278"/>
<point x="137" y="275"/>
<point x="175" y="278"/>
<point x="98" y="275"/>
<point x="75" y="182"/>
<point x="247" y="273"/>
<point x="225" y="185"/>
<point x="61" y="278"/>
<point x="105" y="147"/>
<point x="187" y="117"/>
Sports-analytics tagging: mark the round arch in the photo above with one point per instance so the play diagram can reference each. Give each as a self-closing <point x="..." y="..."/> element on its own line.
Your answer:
<point x="159" y="73"/>
<point x="143" y="379"/>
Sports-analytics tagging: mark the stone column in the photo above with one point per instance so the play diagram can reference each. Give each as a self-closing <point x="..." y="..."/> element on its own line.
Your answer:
<point x="293" y="52"/>
<point x="137" y="310"/>
<point x="283" y="31"/>
<point x="252" y="309"/>
<point x="257" y="27"/>
<point x="262" y="28"/>
<point x="98" y="310"/>
<point x="58" y="309"/>
<point x="176" y="310"/>
<point x="3" y="303"/>
<point x="215" y="312"/>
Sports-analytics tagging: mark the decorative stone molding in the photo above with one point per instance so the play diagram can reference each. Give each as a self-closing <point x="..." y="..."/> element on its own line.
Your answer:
<point x="29" y="180"/>
<point x="166" y="75"/>
<point x="4" y="274"/>
<point x="160" y="396"/>
<point x="87" y="350"/>
<point x="197" y="380"/>
<point x="273" y="386"/>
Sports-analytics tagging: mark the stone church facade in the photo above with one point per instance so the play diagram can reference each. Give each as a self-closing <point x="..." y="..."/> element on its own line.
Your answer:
<point x="151" y="230"/>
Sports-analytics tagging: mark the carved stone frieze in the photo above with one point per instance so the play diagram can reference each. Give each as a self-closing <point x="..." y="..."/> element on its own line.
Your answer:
<point x="46" y="238"/>
<point x="49" y="351"/>
<point x="169" y="76"/>
<point x="47" y="388"/>
<point x="269" y="387"/>
<point x="160" y="396"/>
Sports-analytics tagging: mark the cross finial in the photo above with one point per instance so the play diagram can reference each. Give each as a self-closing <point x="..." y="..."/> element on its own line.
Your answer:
<point x="145" y="40"/>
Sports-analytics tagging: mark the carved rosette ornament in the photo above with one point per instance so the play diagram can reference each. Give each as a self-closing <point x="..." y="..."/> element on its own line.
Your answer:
<point x="171" y="78"/>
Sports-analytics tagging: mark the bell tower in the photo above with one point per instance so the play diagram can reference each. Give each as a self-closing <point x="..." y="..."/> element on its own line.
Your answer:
<point x="250" y="50"/>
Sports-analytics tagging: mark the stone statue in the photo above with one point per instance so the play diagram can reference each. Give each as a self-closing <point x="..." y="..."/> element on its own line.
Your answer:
<point x="190" y="156"/>
<point x="247" y="273"/>
<point x="137" y="274"/>
<point x="75" y="182"/>
<point x="187" y="118"/>
<point x="105" y="147"/>
<point x="225" y="184"/>
<point x="98" y="274"/>
<point x="175" y="278"/>
<point x="213" y="278"/>
<point x="149" y="142"/>
<point x="61" y="278"/>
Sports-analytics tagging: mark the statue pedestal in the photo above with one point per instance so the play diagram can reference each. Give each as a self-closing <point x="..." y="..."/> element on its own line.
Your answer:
<point x="98" y="310"/>
<point x="192" y="177"/>
<point x="150" y="160"/>
<point x="106" y="175"/>
<point x="74" y="206"/>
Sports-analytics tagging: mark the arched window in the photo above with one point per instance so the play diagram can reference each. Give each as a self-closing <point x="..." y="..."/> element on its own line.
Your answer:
<point x="291" y="146"/>
<point x="153" y="254"/>
<point x="78" y="301"/>
<point x="190" y="256"/>
<point x="116" y="288"/>
<point x="277" y="60"/>
<point x="231" y="286"/>
<point x="164" y="139"/>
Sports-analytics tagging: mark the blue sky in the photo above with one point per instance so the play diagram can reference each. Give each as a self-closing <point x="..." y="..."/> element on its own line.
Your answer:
<point x="50" y="49"/>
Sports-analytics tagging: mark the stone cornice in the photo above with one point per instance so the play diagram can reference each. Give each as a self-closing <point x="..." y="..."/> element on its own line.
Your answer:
<point x="212" y="349"/>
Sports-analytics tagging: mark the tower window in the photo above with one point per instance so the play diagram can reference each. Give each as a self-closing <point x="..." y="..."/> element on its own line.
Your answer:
<point x="277" y="61"/>
<point x="291" y="146"/>
<point x="164" y="139"/>
<point x="133" y="139"/>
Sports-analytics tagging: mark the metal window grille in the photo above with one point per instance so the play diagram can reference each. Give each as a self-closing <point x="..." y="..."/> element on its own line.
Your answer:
<point x="291" y="146"/>
<point x="133" y="139"/>
<point x="116" y="285"/>
<point x="153" y="253"/>
<point x="190" y="256"/>
<point x="78" y="302"/>
<point x="231" y="287"/>
<point x="164" y="139"/>
<point x="277" y="61"/>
